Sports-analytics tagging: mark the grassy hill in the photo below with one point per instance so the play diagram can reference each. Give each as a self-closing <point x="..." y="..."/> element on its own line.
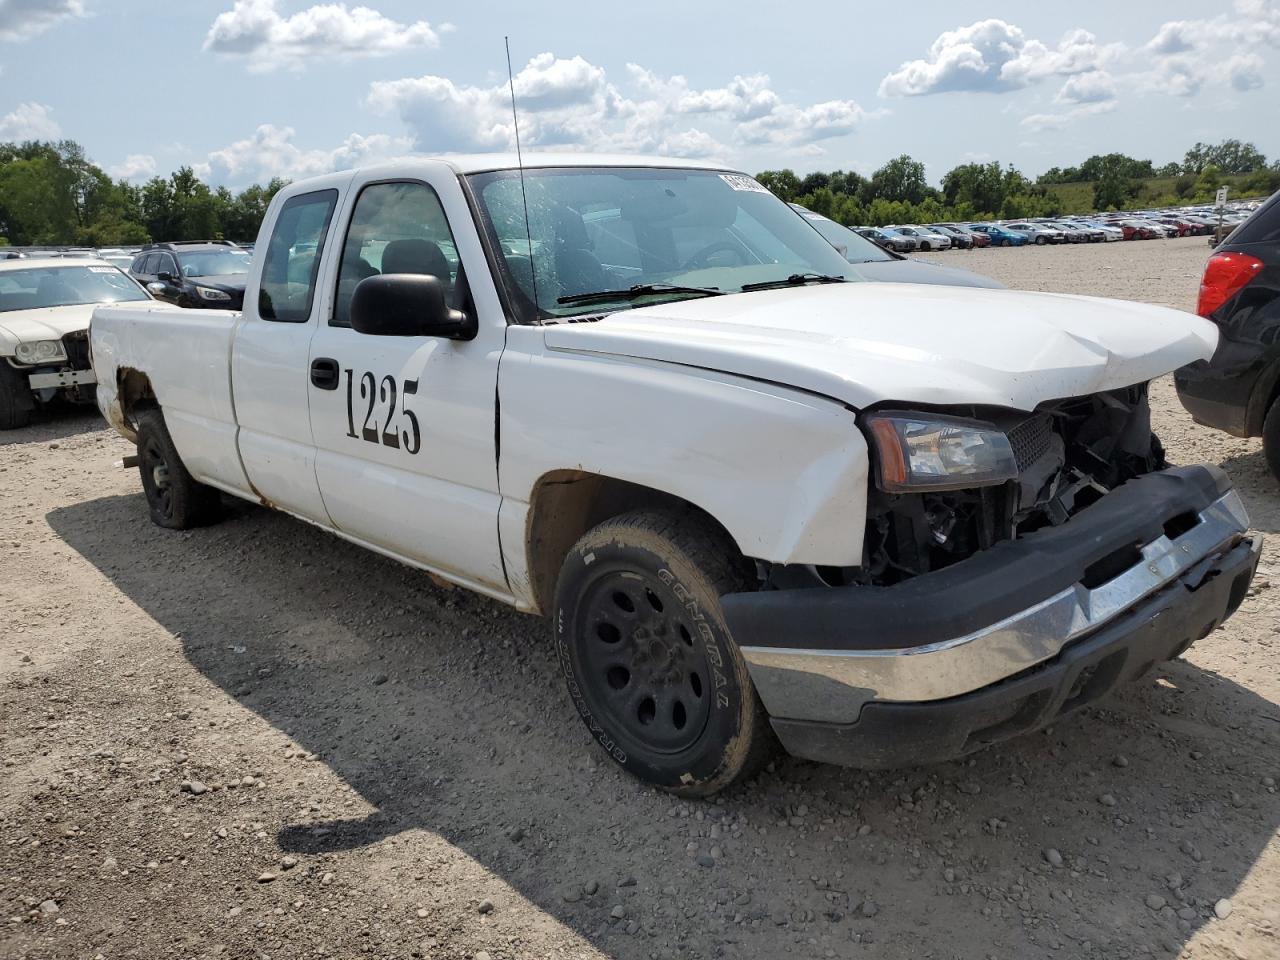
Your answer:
<point x="1155" y="191"/>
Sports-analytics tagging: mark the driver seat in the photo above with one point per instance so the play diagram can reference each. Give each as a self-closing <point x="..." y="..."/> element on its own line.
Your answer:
<point x="577" y="269"/>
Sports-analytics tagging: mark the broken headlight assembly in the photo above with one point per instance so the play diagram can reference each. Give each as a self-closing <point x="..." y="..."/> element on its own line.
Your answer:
<point x="40" y="351"/>
<point x="917" y="452"/>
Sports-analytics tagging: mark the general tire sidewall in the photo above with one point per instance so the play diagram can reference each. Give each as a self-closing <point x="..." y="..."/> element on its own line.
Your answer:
<point x="726" y="734"/>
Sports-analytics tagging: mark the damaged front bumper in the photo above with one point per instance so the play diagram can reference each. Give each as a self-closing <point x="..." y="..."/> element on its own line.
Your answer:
<point x="59" y="379"/>
<point x="1007" y="640"/>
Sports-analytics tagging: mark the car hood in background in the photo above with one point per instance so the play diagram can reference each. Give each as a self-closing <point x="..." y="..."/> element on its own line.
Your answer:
<point x="230" y="282"/>
<point x="922" y="271"/>
<point x="46" y="323"/>
<point x="866" y="343"/>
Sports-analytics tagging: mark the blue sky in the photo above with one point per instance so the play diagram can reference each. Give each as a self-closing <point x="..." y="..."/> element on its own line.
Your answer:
<point x="244" y="89"/>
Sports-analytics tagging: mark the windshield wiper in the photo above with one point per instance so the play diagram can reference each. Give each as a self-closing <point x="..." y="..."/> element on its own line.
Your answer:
<point x="636" y="291"/>
<point x="795" y="280"/>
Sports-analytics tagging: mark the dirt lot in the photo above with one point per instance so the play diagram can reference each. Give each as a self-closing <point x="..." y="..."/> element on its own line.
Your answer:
<point x="255" y="740"/>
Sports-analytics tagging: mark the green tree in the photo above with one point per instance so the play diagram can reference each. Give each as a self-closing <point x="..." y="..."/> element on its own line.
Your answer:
<point x="1229" y="156"/>
<point x="900" y="179"/>
<point x="784" y="184"/>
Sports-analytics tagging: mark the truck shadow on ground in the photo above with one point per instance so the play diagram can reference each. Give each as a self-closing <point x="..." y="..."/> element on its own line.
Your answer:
<point x="55" y="422"/>
<point x="446" y="712"/>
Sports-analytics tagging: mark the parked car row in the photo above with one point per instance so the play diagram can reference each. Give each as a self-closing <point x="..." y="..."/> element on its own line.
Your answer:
<point x="1043" y="231"/>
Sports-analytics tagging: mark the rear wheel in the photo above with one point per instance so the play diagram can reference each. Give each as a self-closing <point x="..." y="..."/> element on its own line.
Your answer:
<point x="1041" y="241"/>
<point x="648" y="658"/>
<point x="175" y="499"/>
<point x="1271" y="438"/>
<point x="1006" y="242"/>
<point x="16" y="399"/>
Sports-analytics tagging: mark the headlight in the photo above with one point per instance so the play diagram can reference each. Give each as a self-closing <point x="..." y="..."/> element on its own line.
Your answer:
<point x="211" y="294"/>
<point x="917" y="452"/>
<point x="40" y="351"/>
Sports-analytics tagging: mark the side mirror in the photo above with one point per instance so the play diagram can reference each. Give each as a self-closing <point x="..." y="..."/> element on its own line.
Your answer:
<point x="156" y="289"/>
<point x="164" y="276"/>
<point x="407" y="305"/>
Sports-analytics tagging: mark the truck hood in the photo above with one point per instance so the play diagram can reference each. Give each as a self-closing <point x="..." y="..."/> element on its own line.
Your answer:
<point x="46" y="323"/>
<point x="866" y="343"/>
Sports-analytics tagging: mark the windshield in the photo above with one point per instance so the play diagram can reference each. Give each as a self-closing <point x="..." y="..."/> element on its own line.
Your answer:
<point x="214" y="263"/>
<point x="856" y="248"/>
<point x="597" y="229"/>
<point x="50" y="286"/>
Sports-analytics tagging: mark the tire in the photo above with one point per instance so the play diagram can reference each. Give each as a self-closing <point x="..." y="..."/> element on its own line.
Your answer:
<point x="925" y="246"/>
<point x="1041" y="241"/>
<point x="16" y="400"/>
<point x="1271" y="438"/>
<point x="1006" y="242"/>
<point x="175" y="499"/>
<point x="647" y="656"/>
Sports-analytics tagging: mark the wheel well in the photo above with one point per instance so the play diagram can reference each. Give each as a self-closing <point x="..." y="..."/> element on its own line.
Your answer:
<point x="566" y="504"/>
<point x="134" y="393"/>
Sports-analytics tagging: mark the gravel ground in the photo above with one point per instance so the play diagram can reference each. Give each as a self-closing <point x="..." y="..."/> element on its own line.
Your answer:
<point x="256" y="740"/>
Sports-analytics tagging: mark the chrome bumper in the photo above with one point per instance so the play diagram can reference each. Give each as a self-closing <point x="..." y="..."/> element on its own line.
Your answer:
<point x="832" y="686"/>
<point x="61" y="378"/>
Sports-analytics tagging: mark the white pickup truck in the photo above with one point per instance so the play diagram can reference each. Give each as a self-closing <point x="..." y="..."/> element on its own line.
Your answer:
<point x="760" y="501"/>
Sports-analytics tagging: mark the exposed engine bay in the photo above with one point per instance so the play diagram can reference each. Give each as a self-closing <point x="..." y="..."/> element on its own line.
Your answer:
<point x="1069" y="454"/>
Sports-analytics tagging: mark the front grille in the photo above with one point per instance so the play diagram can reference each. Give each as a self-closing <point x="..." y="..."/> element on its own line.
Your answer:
<point x="1030" y="439"/>
<point x="77" y="347"/>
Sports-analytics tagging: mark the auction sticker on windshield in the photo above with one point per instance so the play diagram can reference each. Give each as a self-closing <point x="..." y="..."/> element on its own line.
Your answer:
<point x="741" y="181"/>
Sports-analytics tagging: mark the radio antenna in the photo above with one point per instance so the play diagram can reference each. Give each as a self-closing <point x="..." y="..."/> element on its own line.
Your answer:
<point x="524" y="197"/>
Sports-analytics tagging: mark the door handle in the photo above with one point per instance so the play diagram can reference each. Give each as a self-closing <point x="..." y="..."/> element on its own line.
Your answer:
<point x="325" y="373"/>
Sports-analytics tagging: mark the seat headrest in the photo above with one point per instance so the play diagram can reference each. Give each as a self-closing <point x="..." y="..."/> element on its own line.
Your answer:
<point x="414" y="255"/>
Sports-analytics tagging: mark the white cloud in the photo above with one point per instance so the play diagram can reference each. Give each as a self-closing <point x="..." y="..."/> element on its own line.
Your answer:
<point x="1188" y="54"/>
<point x="29" y="121"/>
<point x="1244" y="71"/>
<point x="20" y="19"/>
<point x="136" y="166"/>
<point x="256" y="31"/>
<point x="569" y="103"/>
<point x="271" y="152"/>
<point x="992" y="56"/>
<point x="1056" y="121"/>
<point x="1096" y="86"/>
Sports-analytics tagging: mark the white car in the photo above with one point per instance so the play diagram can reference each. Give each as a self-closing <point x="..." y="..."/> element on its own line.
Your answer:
<point x="928" y="239"/>
<point x="45" y="305"/>
<point x="760" y="502"/>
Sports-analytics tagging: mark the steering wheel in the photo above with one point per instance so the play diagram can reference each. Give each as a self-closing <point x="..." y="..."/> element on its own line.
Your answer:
<point x="699" y="259"/>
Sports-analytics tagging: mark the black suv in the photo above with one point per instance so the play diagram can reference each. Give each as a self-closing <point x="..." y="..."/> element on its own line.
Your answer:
<point x="1238" y="390"/>
<point x="196" y="273"/>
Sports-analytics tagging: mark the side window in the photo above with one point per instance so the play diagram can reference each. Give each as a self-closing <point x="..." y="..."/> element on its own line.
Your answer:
<point x="166" y="265"/>
<point x="397" y="228"/>
<point x="148" y="264"/>
<point x="289" y="271"/>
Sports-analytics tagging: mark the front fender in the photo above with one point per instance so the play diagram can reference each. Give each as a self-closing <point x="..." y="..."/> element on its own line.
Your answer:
<point x="782" y="470"/>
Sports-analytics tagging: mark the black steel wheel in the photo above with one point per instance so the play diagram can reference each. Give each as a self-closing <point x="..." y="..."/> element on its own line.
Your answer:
<point x="647" y="657"/>
<point x="175" y="499"/>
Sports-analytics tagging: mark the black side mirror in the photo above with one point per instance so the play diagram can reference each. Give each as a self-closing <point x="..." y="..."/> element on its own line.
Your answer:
<point x="165" y="276"/>
<point x="407" y="305"/>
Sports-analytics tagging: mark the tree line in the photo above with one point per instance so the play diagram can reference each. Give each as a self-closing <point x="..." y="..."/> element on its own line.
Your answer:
<point x="899" y="193"/>
<point x="52" y="195"/>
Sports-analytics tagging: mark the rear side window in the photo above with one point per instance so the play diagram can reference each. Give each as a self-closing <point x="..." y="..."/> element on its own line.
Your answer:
<point x="1262" y="227"/>
<point x="293" y="255"/>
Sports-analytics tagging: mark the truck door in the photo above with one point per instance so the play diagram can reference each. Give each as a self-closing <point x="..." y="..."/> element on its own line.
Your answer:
<point x="270" y="375"/>
<point x="405" y="432"/>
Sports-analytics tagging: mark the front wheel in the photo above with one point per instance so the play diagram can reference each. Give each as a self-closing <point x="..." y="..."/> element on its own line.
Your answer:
<point x="1041" y="241"/>
<point x="648" y="658"/>
<point x="1271" y="438"/>
<point x="175" y="499"/>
